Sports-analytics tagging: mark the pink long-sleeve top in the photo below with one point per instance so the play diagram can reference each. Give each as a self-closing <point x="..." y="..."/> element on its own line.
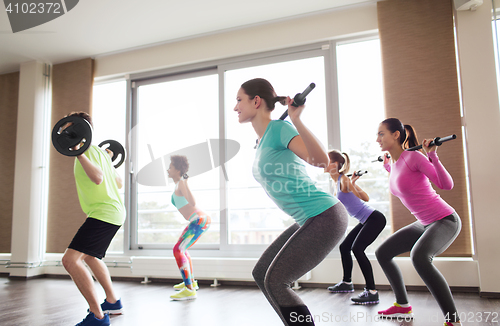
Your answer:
<point x="410" y="180"/>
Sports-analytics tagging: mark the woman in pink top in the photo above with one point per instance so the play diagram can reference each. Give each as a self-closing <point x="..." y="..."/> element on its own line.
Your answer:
<point x="437" y="225"/>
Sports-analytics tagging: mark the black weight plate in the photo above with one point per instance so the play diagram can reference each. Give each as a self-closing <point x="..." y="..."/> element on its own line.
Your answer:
<point x="116" y="148"/>
<point x="64" y="140"/>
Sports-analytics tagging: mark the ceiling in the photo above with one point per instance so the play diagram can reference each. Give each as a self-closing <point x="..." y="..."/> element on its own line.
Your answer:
<point x="97" y="27"/>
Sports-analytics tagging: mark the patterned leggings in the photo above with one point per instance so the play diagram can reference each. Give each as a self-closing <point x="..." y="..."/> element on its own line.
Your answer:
<point x="199" y="222"/>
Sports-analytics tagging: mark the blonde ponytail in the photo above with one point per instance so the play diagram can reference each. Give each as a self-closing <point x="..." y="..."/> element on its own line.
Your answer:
<point x="341" y="158"/>
<point x="347" y="163"/>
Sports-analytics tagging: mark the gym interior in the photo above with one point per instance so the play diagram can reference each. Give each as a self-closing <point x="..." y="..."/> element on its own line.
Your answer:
<point x="436" y="68"/>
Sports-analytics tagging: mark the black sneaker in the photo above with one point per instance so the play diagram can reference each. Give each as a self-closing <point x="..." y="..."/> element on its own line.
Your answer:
<point x="341" y="287"/>
<point x="366" y="297"/>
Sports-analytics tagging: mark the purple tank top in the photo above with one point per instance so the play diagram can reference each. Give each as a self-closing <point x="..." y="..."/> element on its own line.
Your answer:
<point x="355" y="206"/>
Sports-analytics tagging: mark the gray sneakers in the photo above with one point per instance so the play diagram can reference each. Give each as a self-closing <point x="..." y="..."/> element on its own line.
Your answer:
<point x="341" y="287"/>
<point x="366" y="297"/>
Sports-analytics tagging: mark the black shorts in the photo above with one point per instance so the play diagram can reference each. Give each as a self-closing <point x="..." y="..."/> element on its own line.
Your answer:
<point x="93" y="237"/>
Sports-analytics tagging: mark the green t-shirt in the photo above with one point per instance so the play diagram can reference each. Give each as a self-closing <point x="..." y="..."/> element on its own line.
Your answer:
<point x="102" y="202"/>
<point x="283" y="175"/>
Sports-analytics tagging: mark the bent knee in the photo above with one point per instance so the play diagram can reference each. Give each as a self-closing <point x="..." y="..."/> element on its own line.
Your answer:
<point x="344" y="247"/>
<point x="383" y="255"/>
<point x="68" y="261"/>
<point x="421" y="260"/>
<point x="358" y="251"/>
<point x="260" y="273"/>
<point x="275" y="283"/>
<point x="178" y="252"/>
<point x="89" y="259"/>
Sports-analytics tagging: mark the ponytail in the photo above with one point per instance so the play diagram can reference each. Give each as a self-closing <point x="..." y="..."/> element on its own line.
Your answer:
<point x="407" y="134"/>
<point x="411" y="137"/>
<point x="280" y="99"/>
<point x="347" y="163"/>
<point x="342" y="159"/>
<point x="262" y="88"/>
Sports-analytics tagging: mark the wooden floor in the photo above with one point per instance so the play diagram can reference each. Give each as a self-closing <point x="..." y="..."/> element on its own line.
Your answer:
<point x="50" y="301"/>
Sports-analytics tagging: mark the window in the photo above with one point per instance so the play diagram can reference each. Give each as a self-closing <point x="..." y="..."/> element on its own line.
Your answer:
<point x="361" y="109"/>
<point x="252" y="214"/>
<point x="175" y="109"/>
<point x="173" y="114"/>
<point x="109" y="119"/>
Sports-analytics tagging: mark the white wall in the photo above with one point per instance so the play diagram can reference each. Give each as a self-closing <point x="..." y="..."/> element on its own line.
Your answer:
<point x="238" y="42"/>
<point x="482" y="125"/>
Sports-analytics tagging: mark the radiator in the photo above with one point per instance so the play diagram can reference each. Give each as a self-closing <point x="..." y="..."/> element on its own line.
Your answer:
<point x="238" y="269"/>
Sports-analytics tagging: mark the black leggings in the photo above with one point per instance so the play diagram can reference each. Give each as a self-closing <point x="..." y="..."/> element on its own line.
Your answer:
<point x="295" y="252"/>
<point x="361" y="236"/>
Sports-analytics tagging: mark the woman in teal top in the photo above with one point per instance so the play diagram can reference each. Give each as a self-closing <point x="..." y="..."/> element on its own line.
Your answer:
<point x="199" y="222"/>
<point x="321" y="220"/>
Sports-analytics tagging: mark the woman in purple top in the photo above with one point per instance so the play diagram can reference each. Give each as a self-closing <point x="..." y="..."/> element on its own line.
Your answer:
<point x="437" y="223"/>
<point x="371" y="223"/>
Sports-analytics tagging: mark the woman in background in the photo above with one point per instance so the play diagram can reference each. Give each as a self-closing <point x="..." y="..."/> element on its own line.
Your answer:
<point x="199" y="222"/>
<point x="371" y="223"/>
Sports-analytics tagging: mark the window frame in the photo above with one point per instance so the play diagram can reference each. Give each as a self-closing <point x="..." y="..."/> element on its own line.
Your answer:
<point x="326" y="49"/>
<point x="132" y="189"/>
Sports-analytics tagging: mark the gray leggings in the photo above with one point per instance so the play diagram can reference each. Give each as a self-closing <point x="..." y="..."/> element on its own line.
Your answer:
<point x="295" y="252"/>
<point x="423" y="242"/>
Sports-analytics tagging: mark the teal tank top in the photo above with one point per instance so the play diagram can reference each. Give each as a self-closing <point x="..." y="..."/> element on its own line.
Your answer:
<point x="179" y="201"/>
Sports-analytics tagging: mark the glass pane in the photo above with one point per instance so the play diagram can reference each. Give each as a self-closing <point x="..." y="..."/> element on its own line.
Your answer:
<point x="361" y="101"/>
<point x="109" y="119"/>
<point x="253" y="216"/>
<point x="173" y="116"/>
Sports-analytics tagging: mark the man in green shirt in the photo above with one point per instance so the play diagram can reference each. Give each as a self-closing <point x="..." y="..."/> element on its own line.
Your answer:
<point x="97" y="184"/>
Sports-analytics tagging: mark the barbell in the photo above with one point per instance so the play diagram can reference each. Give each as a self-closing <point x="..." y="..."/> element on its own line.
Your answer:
<point x="69" y="132"/>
